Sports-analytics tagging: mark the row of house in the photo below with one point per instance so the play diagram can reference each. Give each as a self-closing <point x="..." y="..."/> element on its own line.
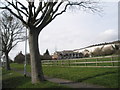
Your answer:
<point x="69" y="54"/>
<point x="84" y="52"/>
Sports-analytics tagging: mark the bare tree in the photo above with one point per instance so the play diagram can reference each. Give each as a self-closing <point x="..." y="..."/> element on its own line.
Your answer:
<point x="11" y="32"/>
<point x="38" y="16"/>
<point x="109" y="50"/>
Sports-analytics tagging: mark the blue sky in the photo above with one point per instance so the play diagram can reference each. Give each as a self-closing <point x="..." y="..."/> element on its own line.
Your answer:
<point x="74" y="30"/>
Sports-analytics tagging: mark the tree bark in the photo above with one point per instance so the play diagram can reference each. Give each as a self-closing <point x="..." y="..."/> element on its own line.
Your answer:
<point x="7" y="61"/>
<point x="36" y="66"/>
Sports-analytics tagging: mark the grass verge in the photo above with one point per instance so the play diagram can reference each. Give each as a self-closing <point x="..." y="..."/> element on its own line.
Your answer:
<point x="107" y="77"/>
<point x="13" y="79"/>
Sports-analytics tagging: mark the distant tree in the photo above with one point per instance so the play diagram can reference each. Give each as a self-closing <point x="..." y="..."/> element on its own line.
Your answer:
<point x="96" y="52"/>
<point x="12" y="33"/>
<point x="117" y="52"/>
<point x="117" y="48"/>
<point x="46" y="55"/>
<point x="86" y="53"/>
<point x="47" y="52"/>
<point x="38" y="17"/>
<point x="108" y="50"/>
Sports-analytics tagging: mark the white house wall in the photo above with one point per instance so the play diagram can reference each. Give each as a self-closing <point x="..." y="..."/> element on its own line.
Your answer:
<point x="91" y="49"/>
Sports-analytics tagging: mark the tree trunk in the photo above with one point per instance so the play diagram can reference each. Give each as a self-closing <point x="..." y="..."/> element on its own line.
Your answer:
<point x="7" y="61"/>
<point x="36" y="66"/>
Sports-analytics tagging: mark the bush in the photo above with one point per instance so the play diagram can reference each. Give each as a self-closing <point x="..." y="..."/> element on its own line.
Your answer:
<point x="96" y="52"/>
<point x="108" y="51"/>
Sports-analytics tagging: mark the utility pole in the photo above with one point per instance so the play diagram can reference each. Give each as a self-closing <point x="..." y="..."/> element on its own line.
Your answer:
<point x="25" y="63"/>
<point x="0" y="46"/>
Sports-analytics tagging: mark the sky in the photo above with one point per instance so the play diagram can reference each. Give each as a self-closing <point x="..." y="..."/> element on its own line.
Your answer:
<point x="77" y="29"/>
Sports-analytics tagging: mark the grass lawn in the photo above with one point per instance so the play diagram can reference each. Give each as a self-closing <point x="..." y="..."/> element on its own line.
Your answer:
<point x="11" y="79"/>
<point x="107" y="77"/>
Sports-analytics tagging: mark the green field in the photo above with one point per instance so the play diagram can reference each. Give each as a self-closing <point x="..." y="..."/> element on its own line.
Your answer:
<point x="107" y="77"/>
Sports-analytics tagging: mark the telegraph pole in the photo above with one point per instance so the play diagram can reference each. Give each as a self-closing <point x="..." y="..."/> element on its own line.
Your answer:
<point x="25" y="63"/>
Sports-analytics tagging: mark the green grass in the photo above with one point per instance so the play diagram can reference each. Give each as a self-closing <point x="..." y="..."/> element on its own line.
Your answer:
<point x="20" y="66"/>
<point x="109" y="80"/>
<point x="13" y="79"/>
<point x="107" y="77"/>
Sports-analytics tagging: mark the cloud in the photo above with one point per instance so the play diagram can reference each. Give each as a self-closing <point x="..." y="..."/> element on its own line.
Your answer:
<point x="110" y="0"/>
<point x="108" y="35"/>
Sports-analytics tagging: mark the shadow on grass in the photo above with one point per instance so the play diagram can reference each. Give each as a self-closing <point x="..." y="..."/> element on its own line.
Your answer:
<point x="101" y="74"/>
<point x="14" y="82"/>
<point x="90" y="77"/>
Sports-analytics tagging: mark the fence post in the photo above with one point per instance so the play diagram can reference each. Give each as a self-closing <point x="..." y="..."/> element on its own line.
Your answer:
<point x="49" y="63"/>
<point x="62" y="62"/>
<point x="52" y="63"/>
<point x="86" y="62"/>
<point x="42" y="62"/>
<point x="45" y="62"/>
<point x="112" y="61"/>
<point x="75" y="62"/>
<point x="69" y="62"/>
<point x="96" y="61"/>
<point x="57" y="62"/>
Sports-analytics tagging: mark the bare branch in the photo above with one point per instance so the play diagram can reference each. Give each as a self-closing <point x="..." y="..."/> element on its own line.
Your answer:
<point x="14" y="14"/>
<point x="12" y="4"/>
<point x="38" y="9"/>
<point x="60" y="12"/>
<point x="57" y="7"/>
<point x="88" y="5"/>
<point x="11" y="29"/>
<point x="23" y="7"/>
<point x="43" y="15"/>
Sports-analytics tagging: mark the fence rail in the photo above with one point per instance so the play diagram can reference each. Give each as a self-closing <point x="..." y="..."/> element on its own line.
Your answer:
<point x="108" y="61"/>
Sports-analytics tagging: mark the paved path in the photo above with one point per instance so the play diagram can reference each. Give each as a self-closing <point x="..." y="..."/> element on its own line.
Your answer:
<point x="72" y="84"/>
<point x="68" y="83"/>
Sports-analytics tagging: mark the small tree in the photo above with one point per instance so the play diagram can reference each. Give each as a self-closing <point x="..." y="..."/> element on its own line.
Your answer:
<point x="47" y="52"/>
<point x="46" y="55"/>
<point x="117" y="48"/>
<point x="108" y="51"/>
<point x="96" y="52"/>
<point x="12" y="33"/>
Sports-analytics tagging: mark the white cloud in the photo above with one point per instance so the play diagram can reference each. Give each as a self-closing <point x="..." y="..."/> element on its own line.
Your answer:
<point x="109" y="32"/>
<point x="110" y="0"/>
<point x="108" y="35"/>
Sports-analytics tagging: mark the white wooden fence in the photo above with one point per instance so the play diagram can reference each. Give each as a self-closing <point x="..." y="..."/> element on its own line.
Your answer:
<point x="108" y="61"/>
